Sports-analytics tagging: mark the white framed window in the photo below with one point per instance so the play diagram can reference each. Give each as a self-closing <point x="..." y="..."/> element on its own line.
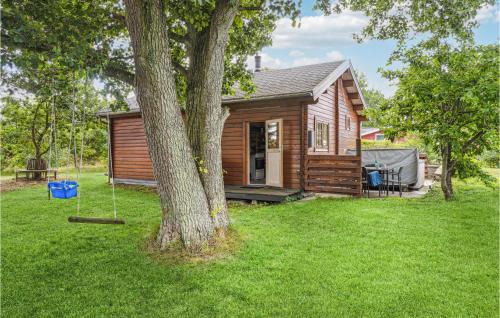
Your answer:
<point x="347" y="122"/>
<point x="321" y="130"/>
<point x="379" y="137"/>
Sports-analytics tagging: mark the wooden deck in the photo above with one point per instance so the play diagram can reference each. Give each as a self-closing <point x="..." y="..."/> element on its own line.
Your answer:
<point x="267" y="194"/>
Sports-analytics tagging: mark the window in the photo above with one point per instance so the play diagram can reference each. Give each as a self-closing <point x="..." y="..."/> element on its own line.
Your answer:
<point x="347" y="123"/>
<point x="321" y="133"/>
<point x="273" y="138"/>
<point x="379" y="136"/>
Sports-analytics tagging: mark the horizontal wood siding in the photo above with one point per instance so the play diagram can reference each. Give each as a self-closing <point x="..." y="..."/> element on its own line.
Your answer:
<point x="323" y="111"/>
<point x="234" y="143"/>
<point x="130" y="151"/>
<point x="131" y="158"/>
<point x="347" y="138"/>
<point x="333" y="174"/>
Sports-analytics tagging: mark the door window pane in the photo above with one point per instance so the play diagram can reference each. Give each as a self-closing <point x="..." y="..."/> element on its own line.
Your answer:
<point x="273" y="138"/>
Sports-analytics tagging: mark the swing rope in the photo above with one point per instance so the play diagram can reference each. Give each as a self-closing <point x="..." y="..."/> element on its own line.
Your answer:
<point x="73" y="124"/>
<point x="110" y="166"/>
<point x="78" y="162"/>
<point x="78" y="219"/>
<point x="79" y="167"/>
<point x="53" y="132"/>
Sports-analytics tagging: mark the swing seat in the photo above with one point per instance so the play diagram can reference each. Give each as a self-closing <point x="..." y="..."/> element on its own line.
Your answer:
<point x="79" y="219"/>
<point x="63" y="189"/>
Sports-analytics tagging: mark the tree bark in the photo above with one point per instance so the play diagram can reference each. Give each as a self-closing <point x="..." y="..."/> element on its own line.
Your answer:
<point x="182" y="197"/>
<point x="37" y="136"/>
<point x="447" y="171"/>
<point x="205" y="116"/>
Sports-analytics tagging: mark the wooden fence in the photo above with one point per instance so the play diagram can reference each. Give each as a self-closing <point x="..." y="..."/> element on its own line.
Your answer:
<point x="333" y="174"/>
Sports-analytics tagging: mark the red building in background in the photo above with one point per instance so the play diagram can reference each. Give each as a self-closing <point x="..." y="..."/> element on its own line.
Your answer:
<point x="370" y="133"/>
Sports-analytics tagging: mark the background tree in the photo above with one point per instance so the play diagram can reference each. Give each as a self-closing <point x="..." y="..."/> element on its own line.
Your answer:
<point x="27" y="115"/>
<point x="449" y="97"/>
<point x="407" y="21"/>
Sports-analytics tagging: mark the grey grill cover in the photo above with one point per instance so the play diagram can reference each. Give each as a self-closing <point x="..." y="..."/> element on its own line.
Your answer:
<point x="395" y="158"/>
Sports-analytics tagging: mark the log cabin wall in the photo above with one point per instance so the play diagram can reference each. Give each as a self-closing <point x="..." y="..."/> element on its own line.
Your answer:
<point x="130" y="150"/>
<point x="324" y="111"/>
<point x="347" y="135"/>
<point x="131" y="159"/>
<point x="234" y="140"/>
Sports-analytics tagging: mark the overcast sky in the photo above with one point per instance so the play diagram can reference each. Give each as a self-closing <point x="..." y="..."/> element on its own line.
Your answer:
<point x="329" y="38"/>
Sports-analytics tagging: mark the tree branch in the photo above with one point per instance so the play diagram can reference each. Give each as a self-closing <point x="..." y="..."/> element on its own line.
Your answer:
<point x="44" y="151"/>
<point x="114" y="70"/>
<point x="33" y="128"/>
<point x="180" y="68"/>
<point x="120" y="18"/>
<point x="250" y="8"/>
<point x="120" y="73"/>
<point x="471" y="141"/>
<point x="179" y="38"/>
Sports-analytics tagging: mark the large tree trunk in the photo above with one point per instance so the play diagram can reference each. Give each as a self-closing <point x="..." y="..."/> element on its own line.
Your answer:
<point x="205" y="116"/>
<point x="447" y="171"/>
<point x="182" y="197"/>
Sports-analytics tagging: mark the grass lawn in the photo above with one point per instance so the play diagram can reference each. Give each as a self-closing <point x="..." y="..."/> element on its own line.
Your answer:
<point x="323" y="258"/>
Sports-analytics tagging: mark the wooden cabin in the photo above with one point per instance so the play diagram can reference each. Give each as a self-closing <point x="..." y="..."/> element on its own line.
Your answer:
<point x="293" y="133"/>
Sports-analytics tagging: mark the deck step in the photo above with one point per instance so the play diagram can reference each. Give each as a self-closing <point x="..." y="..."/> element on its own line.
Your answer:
<point x="264" y="194"/>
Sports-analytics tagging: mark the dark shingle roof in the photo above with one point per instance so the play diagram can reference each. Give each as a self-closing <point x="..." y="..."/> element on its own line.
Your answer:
<point x="296" y="81"/>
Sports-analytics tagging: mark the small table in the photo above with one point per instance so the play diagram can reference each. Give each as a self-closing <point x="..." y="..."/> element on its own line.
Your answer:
<point x="385" y="175"/>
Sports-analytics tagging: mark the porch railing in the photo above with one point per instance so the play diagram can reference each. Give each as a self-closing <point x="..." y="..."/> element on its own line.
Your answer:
<point x="333" y="174"/>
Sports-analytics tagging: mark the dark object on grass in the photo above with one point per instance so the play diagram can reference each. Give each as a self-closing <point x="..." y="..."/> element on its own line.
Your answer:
<point x="79" y="219"/>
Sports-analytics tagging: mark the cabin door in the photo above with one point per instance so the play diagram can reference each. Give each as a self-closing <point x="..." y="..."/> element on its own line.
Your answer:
<point x="274" y="152"/>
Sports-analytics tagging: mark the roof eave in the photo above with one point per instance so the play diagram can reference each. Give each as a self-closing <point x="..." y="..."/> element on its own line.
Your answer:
<point x="267" y="98"/>
<point x="111" y="114"/>
<point x="370" y="132"/>
<point x="327" y="81"/>
<point x="357" y="88"/>
<point x="330" y="79"/>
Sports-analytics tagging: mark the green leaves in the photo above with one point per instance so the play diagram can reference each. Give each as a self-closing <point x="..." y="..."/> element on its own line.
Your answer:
<point x="403" y="20"/>
<point x="448" y="95"/>
<point x="26" y="116"/>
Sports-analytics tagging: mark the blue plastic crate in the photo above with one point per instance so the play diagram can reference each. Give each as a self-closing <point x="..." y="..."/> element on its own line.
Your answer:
<point x="64" y="189"/>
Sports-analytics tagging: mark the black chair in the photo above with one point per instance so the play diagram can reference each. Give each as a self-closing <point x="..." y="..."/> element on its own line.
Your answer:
<point x="364" y="181"/>
<point x="393" y="176"/>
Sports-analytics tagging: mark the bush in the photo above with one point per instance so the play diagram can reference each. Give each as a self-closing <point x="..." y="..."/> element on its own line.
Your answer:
<point x="490" y="159"/>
